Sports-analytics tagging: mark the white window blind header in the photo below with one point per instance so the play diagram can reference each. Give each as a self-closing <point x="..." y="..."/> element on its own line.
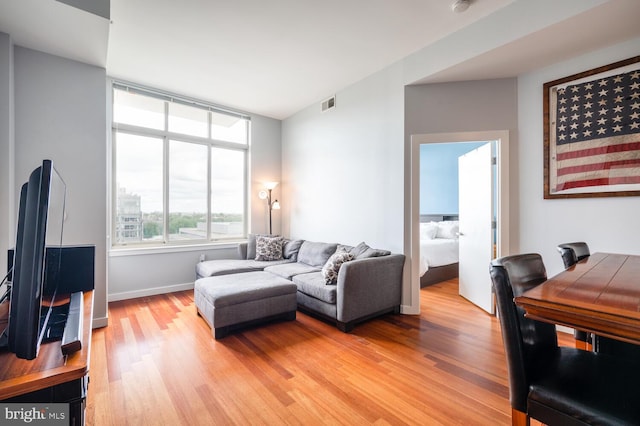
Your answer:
<point x="157" y="94"/>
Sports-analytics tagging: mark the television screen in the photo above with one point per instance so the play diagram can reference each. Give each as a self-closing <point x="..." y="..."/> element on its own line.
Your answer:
<point x="39" y="236"/>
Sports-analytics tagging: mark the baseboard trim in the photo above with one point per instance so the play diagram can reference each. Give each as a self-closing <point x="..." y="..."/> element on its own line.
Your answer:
<point x="409" y="310"/>
<point x="114" y="297"/>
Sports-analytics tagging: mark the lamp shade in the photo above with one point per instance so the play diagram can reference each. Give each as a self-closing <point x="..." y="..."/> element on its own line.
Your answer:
<point x="275" y="205"/>
<point x="270" y="185"/>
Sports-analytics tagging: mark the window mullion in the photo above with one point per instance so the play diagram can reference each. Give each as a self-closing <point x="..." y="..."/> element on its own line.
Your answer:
<point x="165" y="188"/>
<point x="209" y="193"/>
<point x="247" y="201"/>
<point x="209" y="174"/>
<point x="114" y="187"/>
<point x="165" y="175"/>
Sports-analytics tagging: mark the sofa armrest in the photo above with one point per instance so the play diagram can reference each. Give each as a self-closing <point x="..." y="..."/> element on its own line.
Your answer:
<point x="242" y="250"/>
<point x="367" y="286"/>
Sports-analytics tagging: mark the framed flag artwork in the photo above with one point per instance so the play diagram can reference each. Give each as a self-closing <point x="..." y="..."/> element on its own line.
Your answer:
<point x="592" y="132"/>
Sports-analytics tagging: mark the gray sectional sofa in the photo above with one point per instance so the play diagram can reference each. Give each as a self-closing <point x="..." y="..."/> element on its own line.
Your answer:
<point x="368" y="283"/>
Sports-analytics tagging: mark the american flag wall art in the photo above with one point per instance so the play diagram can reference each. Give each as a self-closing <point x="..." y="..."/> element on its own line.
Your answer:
<point x="594" y="133"/>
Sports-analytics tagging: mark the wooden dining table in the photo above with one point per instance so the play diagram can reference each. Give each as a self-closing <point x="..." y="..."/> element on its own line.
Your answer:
<point x="599" y="294"/>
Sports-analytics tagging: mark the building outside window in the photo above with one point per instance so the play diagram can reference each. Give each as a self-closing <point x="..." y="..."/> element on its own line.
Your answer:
<point x="179" y="170"/>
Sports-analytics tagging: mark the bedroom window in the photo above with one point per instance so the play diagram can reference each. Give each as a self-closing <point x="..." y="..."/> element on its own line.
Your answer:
<point x="179" y="170"/>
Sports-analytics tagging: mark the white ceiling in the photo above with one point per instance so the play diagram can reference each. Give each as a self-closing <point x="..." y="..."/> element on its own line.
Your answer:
<point x="276" y="57"/>
<point x="597" y="28"/>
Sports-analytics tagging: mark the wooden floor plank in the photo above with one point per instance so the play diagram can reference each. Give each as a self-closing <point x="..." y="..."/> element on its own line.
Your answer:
<point x="157" y="363"/>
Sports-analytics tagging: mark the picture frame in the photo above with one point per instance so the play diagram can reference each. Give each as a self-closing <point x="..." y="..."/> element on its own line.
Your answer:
<point x="591" y="124"/>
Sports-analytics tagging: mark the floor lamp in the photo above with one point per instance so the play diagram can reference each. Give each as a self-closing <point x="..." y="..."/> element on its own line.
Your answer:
<point x="275" y="205"/>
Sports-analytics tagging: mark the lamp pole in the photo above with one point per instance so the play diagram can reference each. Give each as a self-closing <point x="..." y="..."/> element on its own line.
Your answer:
<point x="273" y="205"/>
<point x="270" y="208"/>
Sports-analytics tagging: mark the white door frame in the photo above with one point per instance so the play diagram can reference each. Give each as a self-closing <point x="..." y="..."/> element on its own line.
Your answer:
<point x="502" y="239"/>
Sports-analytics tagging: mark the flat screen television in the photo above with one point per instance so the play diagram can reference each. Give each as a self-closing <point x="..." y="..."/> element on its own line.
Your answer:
<point x="38" y="247"/>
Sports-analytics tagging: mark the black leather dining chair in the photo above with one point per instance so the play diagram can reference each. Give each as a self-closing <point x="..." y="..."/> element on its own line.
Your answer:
<point x="548" y="382"/>
<point x="571" y="254"/>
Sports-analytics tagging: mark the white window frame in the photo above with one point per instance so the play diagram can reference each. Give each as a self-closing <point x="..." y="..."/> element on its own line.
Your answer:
<point x="166" y="137"/>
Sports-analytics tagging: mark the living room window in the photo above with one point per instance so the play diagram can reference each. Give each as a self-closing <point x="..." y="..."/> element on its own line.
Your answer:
<point x="179" y="170"/>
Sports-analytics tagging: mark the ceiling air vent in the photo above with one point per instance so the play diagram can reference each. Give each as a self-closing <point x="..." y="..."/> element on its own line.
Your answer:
<point x="328" y="104"/>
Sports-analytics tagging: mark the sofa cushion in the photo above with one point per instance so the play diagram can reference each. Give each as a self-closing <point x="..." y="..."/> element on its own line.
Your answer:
<point x="332" y="267"/>
<point x="344" y="247"/>
<point x="290" y="249"/>
<point x="212" y="268"/>
<point x="371" y="252"/>
<point x="316" y="254"/>
<point x="363" y="251"/>
<point x="313" y="284"/>
<point x="268" y="248"/>
<point x="291" y="269"/>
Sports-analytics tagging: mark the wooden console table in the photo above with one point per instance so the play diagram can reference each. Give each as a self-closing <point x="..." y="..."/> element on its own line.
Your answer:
<point x="51" y="377"/>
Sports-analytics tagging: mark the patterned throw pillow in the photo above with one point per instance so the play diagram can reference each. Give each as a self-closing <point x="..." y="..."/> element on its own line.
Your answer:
<point x="251" y="244"/>
<point x="332" y="267"/>
<point x="268" y="248"/>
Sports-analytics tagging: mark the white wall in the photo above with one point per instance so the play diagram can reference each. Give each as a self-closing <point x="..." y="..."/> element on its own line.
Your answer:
<point x="461" y="107"/>
<point x="144" y="273"/>
<point x="266" y="166"/>
<point x="7" y="232"/>
<point x="136" y="273"/>
<point x="343" y="170"/>
<point x="606" y="224"/>
<point x="60" y="114"/>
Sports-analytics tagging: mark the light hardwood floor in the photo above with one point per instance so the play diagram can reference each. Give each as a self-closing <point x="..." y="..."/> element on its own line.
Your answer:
<point x="157" y="364"/>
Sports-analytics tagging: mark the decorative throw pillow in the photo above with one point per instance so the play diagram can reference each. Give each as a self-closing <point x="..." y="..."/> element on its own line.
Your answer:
<point x="363" y="251"/>
<point x="290" y="249"/>
<point x="315" y="253"/>
<point x="268" y="248"/>
<point x="448" y="229"/>
<point x="332" y="267"/>
<point x="371" y="252"/>
<point x="428" y="231"/>
<point x="251" y="244"/>
<point x="359" y="249"/>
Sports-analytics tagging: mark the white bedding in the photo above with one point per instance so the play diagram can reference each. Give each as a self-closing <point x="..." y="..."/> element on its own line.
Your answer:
<point x="436" y="251"/>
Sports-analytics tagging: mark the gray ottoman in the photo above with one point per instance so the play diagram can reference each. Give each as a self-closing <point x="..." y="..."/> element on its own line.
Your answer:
<point x="228" y="302"/>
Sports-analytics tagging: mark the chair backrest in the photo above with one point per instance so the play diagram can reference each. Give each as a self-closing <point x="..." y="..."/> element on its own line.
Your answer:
<point x="525" y="340"/>
<point x="572" y="253"/>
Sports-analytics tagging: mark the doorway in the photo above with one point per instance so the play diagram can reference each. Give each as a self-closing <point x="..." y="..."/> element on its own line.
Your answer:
<point x="501" y="139"/>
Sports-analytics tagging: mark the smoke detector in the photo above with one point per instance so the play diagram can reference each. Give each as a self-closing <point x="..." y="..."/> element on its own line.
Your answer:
<point x="460" y="6"/>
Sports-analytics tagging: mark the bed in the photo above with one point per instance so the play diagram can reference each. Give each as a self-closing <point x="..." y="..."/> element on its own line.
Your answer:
<point x="438" y="248"/>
